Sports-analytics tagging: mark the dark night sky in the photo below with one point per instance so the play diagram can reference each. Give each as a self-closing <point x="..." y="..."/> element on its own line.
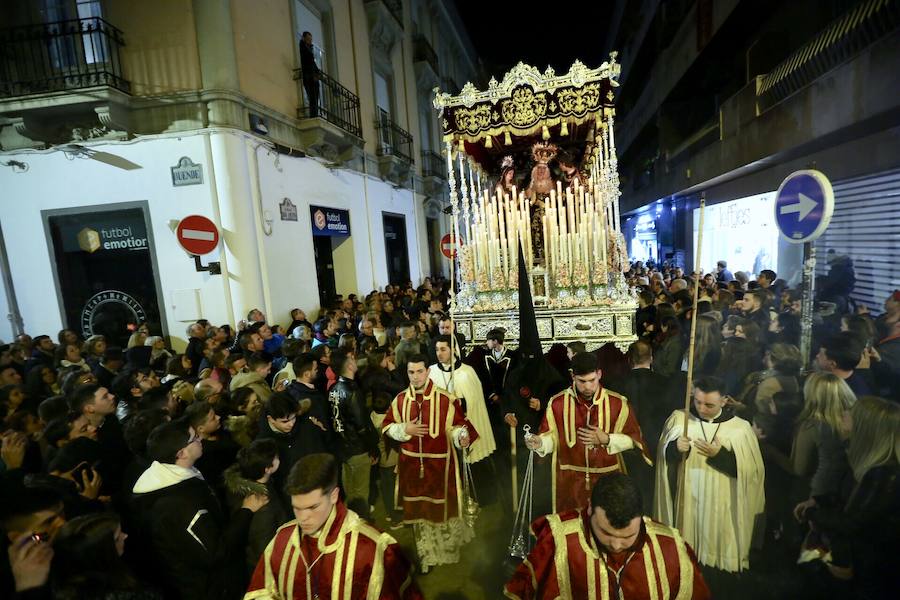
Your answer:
<point x="538" y="34"/>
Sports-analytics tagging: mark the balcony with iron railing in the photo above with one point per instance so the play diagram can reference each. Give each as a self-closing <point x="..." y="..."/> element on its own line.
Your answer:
<point x="393" y="140"/>
<point x="60" y="56"/>
<point x="336" y="104"/>
<point x="433" y="165"/>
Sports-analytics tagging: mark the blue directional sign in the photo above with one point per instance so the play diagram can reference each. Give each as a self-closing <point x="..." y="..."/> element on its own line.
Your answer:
<point x="803" y="206"/>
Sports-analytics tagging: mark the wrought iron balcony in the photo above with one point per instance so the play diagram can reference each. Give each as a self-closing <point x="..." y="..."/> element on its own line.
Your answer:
<point x="393" y="140"/>
<point x="423" y="52"/>
<point x="433" y="165"/>
<point x="336" y="104"/>
<point x="64" y="55"/>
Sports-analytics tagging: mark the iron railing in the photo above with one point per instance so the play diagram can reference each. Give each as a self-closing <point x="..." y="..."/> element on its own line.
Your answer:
<point x="336" y="104"/>
<point x="64" y="55"/>
<point x="433" y="165"/>
<point x="860" y="27"/>
<point x="393" y="140"/>
<point x="422" y="51"/>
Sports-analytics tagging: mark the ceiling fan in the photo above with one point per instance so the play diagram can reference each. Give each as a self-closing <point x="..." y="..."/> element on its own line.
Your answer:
<point x="73" y="151"/>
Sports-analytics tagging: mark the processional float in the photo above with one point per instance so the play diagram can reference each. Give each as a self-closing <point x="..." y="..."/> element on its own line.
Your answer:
<point x="565" y="230"/>
<point x="568" y="226"/>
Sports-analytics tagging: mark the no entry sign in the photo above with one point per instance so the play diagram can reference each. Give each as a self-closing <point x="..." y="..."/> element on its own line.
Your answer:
<point x="448" y="246"/>
<point x="198" y="235"/>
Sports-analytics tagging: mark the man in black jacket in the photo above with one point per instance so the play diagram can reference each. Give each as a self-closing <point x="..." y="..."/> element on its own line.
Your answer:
<point x="357" y="439"/>
<point x="310" y="73"/>
<point x="650" y="396"/>
<point x="313" y="426"/>
<point x="196" y="345"/>
<point x="199" y="553"/>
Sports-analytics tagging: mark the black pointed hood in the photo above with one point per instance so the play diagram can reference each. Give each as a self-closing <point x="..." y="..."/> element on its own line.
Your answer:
<point x="529" y="339"/>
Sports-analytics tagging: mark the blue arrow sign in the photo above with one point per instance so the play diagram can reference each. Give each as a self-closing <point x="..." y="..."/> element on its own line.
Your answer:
<point x="803" y="206"/>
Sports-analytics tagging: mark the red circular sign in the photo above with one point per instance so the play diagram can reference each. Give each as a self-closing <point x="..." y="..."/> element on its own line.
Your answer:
<point x="448" y="246"/>
<point x="198" y="235"/>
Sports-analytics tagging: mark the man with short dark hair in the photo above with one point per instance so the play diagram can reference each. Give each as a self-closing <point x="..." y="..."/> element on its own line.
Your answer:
<point x="109" y="366"/>
<point x="650" y="398"/>
<point x="608" y="539"/>
<point x="41" y="353"/>
<point x="328" y="544"/>
<point x="309" y="73"/>
<point x="429" y="424"/>
<point x="357" y="440"/>
<point x="259" y="366"/>
<point x="586" y="428"/>
<point x="315" y="430"/>
<point x="30" y="518"/>
<point x="723" y="478"/>
<point x="219" y="449"/>
<point x="196" y="344"/>
<point x="766" y="278"/>
<point x="198" y="552"/>
<point x="253" y="473"/>
<point x="840" y="354"/>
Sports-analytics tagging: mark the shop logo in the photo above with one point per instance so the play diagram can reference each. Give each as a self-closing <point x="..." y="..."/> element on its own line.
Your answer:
<point x="111" y="305"/>
<point x="111" y="238"/>
<point x="88" y="240"/>
<point x="319" y="220"/>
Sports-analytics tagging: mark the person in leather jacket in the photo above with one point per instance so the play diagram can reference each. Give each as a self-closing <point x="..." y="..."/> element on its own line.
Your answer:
<point x="357" y="444"/>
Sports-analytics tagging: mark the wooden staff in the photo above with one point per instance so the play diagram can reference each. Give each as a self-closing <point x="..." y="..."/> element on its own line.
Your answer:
<point x="682" y="471"/>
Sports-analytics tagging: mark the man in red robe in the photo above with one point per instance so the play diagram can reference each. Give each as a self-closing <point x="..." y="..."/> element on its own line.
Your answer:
<point x="608" y="551"/>
<point x="428" y="423"/>
<point x="328" y="551"/>
<point x="586" y="428"/>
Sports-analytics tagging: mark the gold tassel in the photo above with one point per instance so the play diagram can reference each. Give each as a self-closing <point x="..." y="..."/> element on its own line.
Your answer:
<point x="489" y="141"/>
<point x="565" y="128"/>
<point x="546" y="133"/>
<point x="507" y="140"/>
<point x="462" y="145"/>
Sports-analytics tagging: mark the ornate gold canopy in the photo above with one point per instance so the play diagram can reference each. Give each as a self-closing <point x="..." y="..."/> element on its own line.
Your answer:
<point x="528" y="100"/>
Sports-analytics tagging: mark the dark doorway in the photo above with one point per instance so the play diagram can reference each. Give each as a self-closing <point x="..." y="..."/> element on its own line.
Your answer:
<point x="105" y="271"/>
<point x="325" y="269"/>
<point x="396" y="250"/>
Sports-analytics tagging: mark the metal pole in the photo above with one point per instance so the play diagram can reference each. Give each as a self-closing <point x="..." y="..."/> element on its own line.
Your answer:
<point x="807" y="305"/>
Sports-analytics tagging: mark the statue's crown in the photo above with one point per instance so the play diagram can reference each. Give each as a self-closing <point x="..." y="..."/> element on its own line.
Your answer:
<point x="543" y="152"/>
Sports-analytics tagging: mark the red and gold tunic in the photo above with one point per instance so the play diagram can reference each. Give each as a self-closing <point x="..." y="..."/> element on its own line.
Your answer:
<point x="348" y="560"/>
<point x="428" y="479"/>
<point x="575" y="466"/>
<point x="567" y="563"/>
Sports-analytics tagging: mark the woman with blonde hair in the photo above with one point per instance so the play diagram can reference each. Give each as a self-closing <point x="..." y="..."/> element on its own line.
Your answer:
<point x="820" y="438"/>
<point x="863" y="533"/>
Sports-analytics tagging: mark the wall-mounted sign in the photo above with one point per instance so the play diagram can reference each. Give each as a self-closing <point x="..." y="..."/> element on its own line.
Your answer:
<point x="288" y="210"/>
<point x="329" y="221"/>
<point x="186" y="172"/>
<point x="197" y="234"/>
<point x="104" y="270"/>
